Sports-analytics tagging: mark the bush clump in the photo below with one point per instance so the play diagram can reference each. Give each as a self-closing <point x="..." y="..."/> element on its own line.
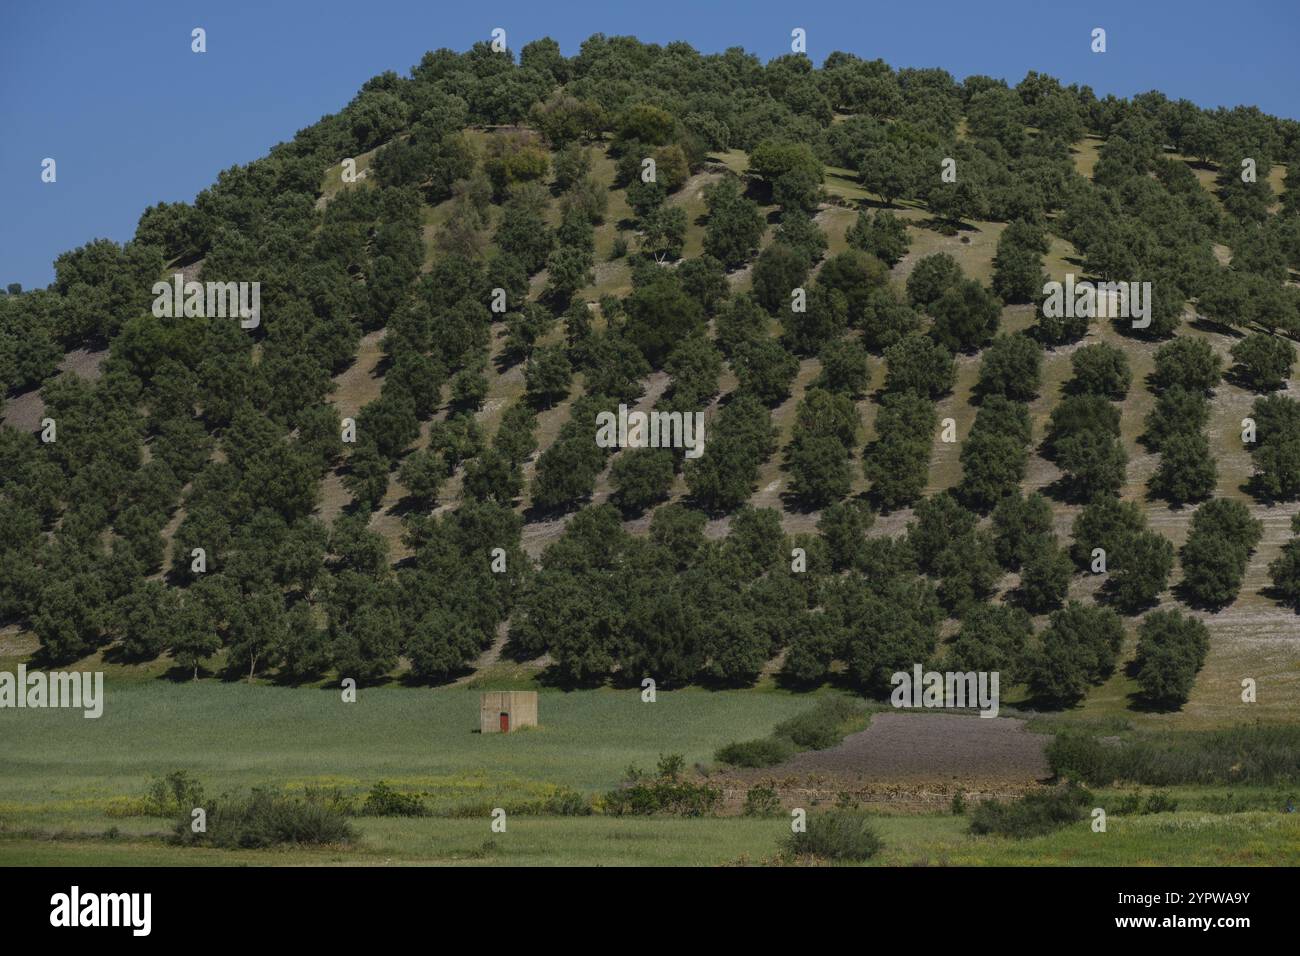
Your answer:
<point x="762" y="801"/>
<point x="265" y="818"/>
<point x="1034" y="814"/>
<point x="665" y="792"/>
<point x="837" y="835"/>
<point x="823" y="726"/>
<point x="562" y="803"/>
<point x="1257" y="755"/>
<point x="763" y="752"/>
<point x="172" y="794"/>
<point x="1079" y="756"/>
<point x="1137" y="804"/>
<point x="384" y="801"/>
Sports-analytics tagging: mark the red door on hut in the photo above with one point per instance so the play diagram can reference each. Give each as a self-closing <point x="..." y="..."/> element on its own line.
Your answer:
<point x="505" y="722"/>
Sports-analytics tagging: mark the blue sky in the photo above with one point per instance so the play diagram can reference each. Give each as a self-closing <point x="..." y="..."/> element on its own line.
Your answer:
<point x="112" y="92"/>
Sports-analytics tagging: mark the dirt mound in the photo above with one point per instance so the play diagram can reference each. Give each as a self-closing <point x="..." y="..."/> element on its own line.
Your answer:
<point x="931" y="747"/>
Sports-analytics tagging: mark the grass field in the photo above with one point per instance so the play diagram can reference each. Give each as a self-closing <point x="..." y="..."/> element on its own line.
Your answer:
<point x="71" y="785"/>
<point x="1167" y="839"/>
<point x="236" y="736"/>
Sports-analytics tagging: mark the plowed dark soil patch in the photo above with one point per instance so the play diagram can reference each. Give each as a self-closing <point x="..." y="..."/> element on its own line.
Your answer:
<point x="908" y="748"/>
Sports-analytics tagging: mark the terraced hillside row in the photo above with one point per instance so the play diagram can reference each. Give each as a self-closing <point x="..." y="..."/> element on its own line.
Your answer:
<point x="906" y="458"/>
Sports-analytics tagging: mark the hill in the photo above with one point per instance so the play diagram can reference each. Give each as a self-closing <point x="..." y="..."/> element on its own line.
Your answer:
<point x="464" y="266"/>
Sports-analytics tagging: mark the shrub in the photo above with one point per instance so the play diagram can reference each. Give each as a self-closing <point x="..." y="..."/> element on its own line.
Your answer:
<point x="762" y="802"/>
<point x="816" y="729"/>
<point x="763" y="752"/>
<point x="1034" y="814"/>
<point x="838" y="835"/>
<point x="664" y="793"/>
<point x="821" y="727"/>
<point x="1078" y="756"/>
<point x="1160" y="802"/>
<point x="566" y="803"/>
<point x="384" y="801"/>
<point x="563" y="803"/>
<point x="265" y="818"/>
<point x="1248" y="755"/>
<point x="172" y="794"/>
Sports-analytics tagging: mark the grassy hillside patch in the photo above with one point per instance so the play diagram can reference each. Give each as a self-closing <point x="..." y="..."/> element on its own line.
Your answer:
<point x="234" y="736"/>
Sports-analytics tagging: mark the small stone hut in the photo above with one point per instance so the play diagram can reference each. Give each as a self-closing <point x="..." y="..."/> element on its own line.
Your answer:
<point x="501" y="711"/>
